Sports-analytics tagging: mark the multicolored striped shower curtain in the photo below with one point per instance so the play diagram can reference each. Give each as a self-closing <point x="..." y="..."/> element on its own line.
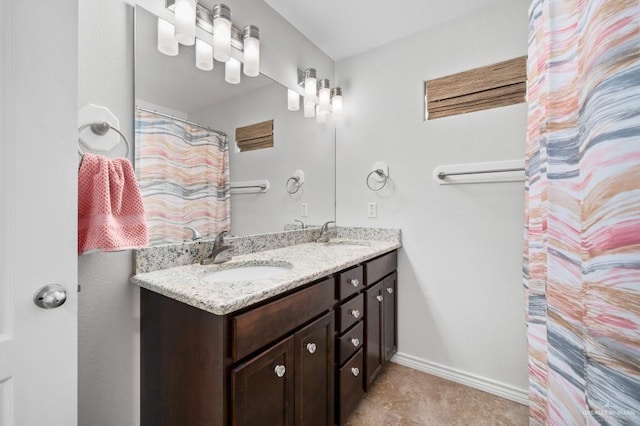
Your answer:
<point x="582" y="251"/>
<point x="183" y="172"/>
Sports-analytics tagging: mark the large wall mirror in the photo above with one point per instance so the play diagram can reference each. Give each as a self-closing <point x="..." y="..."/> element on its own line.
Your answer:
<point x="174" y="87"/>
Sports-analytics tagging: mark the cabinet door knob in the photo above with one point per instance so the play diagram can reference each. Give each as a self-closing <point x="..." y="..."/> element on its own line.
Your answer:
<point x="280" y="370"/>
<point x="390" y="290"/>
<point x="380" y="298"/>
<point x="355" y="282"/>
<point x="355" y="313"/>
<point x="355" y="342"/>
<point x="355" y="371"/>
<point x="311" y="347"/>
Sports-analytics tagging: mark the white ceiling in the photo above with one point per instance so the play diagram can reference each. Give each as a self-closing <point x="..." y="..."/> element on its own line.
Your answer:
<point x="343" y="28"/>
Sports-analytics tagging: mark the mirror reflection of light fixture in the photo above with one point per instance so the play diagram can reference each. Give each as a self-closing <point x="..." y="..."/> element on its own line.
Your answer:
<point x="251" y="51"/>
<point x="204" y="55"/>
<point x="221" y="32"/>
<point x="167" y="42"/>
<point x="232" y="71"/>
<point x="218" y="38"/>
<point x="293" y="100"/>
<point x="320" y="99"/>
<point x="185" y="22"/>
<point x="336" y="102"/>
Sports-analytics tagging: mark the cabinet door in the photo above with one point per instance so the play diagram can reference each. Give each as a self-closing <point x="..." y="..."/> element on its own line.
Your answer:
<point x="390" y="339"/>
<point x="314" y="373"/>
<point x="373" y="340"/>
<point x="262" y="388"/>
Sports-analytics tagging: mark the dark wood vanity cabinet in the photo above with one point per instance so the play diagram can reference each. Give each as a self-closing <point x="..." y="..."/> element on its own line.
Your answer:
<point x="381" y="315"/>
<point x="303" y="358"/>
<point x="291" y="383"/>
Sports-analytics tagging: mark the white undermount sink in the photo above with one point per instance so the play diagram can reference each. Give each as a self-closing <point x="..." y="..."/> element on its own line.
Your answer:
<point x="247" y="272"/>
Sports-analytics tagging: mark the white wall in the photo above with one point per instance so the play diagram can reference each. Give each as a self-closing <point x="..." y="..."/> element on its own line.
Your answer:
<point x="299" y="143"/>
<point x="108" y="304"/>
<point x="461" y="301"/>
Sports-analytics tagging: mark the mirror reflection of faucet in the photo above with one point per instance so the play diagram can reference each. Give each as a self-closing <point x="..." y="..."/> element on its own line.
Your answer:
<point x="195" y="235"/>
<point x="326" y="233"/>
<point x="303" y="224"/>
<point x="220" y="252"/>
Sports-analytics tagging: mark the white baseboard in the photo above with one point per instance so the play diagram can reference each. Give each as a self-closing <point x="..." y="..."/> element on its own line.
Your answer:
<point x="502" y="390"/>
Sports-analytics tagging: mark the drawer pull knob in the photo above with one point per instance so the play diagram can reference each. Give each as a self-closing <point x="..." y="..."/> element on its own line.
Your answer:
<point x="355" y="282"/>
<point x="390" y="290"/>
<point x="280" y="370"/>
<point x="355" y="342"/>
<point x="355" y="313"/>
<point x="355" y="371"/>
<point x="380" y="298"/>
<point x="311" y="347"/>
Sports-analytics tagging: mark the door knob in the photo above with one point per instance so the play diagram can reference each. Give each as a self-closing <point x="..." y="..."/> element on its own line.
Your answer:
<point x="311" y="347"/>
<point x="50" y="296"/>
<point x="280" y="370"/>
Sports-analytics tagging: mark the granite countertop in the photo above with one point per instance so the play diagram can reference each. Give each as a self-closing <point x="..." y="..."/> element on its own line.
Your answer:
<point x="306" y="262"/>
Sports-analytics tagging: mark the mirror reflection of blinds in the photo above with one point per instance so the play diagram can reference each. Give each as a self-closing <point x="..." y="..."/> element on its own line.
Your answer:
<point x="492" y="86"/>
<point x="255" y="136"/>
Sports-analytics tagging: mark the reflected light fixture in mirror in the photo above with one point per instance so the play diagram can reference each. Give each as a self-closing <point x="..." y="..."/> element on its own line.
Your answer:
<point x="320" y="99"/>
<point x="213" y="34"/>
<point x="185" y="22"/>
<point x="167" y="42"/>
<point x="221" y="32"/>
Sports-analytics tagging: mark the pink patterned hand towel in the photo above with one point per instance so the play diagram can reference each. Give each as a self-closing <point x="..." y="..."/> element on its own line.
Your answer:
<point x="110" y="209"/>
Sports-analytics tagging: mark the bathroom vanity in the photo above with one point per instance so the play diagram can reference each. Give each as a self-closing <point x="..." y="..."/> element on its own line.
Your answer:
<point x="303" y="354"/>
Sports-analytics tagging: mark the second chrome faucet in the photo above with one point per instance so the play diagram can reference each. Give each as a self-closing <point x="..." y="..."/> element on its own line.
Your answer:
<point x="327" y="233"/>
<point x="220" y="252"/>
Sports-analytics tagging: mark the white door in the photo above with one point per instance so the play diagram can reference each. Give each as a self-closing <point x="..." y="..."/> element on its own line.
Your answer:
<point x="38" y="216"/>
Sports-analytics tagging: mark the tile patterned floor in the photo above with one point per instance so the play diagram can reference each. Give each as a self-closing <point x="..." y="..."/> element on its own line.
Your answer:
<point x="407" y="397"/>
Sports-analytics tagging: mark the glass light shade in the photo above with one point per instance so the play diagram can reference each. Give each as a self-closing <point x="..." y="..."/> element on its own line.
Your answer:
<point x="204" y="55"/>
<point x="167" y="43"/>
<point x="251" y="57"/>
<point x="185" y="22"/>
<point x="309" y="110"/>
<point x="310" y="88"/>
<point x="293" y="100"/>
<point x="232" y="71"/>
<point x="336" y="106"/>
<point x="321" y="116"/>
<point x="221" y="39"/>
<point x="324" y="99"/>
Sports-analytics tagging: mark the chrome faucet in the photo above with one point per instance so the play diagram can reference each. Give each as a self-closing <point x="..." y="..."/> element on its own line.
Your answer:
<point x="303" y="224"/>
<point x="326" y="233"/>
<point x="219" y="252"/>
<point x="195" y="235"/>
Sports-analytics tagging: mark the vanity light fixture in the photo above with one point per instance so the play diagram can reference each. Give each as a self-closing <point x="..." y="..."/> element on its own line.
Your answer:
<point x="218" y="39"/>
<point x="320" y="99"/>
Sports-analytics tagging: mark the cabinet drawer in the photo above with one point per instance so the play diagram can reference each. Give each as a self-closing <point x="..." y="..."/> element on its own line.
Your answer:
<point x="350" y="312"/>
<point x="351" y="386"/>
<point x="350" y="342"/>
<point x="350" y="282"/>
<point x="261" y="326"/>
<point x="380" y="267"/>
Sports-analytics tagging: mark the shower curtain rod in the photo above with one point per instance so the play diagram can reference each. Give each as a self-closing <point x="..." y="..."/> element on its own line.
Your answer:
<point x="191" y="123"/>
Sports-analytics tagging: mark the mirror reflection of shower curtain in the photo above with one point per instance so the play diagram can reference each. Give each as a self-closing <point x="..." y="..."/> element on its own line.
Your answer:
<point x="183" y="172"/>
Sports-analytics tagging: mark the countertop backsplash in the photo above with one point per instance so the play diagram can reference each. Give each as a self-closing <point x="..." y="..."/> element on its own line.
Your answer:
<point x="190" y="252"/>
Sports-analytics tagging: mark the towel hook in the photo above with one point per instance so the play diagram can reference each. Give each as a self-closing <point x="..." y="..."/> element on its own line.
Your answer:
<point x="101" y="128"/>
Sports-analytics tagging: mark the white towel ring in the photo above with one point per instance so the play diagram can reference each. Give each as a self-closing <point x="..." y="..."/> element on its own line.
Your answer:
<point x="101" y="128"/>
